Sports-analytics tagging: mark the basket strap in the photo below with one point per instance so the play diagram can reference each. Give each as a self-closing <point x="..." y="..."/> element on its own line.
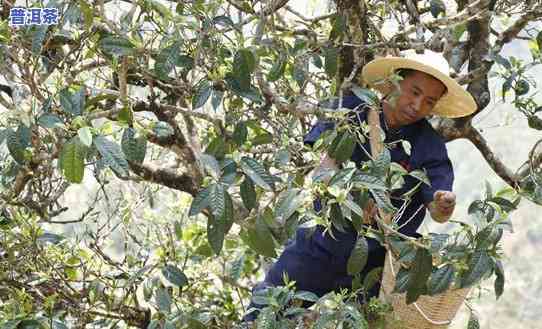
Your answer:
<point x="418" y="308"/>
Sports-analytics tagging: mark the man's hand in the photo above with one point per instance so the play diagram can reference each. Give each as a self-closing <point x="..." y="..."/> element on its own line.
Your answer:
<point x="443" y="206"/>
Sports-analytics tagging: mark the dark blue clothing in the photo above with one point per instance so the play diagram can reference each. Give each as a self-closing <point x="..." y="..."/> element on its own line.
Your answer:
<point x="317" y="261"/>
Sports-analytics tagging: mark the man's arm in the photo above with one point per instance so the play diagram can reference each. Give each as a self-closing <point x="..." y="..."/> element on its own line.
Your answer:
<point x="442" y="206"/>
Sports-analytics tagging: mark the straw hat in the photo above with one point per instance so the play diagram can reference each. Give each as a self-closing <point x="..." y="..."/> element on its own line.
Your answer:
<point x="457" y="102"/>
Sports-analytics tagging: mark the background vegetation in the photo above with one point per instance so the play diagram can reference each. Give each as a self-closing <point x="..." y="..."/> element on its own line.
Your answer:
<point x="152" y="158"/>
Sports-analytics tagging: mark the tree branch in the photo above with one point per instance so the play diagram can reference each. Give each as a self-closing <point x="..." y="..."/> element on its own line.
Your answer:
<point x="492" y="159"/>
<point x="164" y="177"/>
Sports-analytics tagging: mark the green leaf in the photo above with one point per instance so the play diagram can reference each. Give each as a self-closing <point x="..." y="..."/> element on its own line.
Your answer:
<point x="499" y="280"/>
<point x="240" y="133"/>
<point x="163" y="130"/>
<point x="475" y="206"/>
<point x="507" y="85"/>
<point x="58" y="325"/>
<point x="266" y="319"/>
<point x="401" y="281"/>
<point x="10" y="324"/>
<point x="289" y="201"/>
<point x="421" y="176"/>
<point x="306" y="296"/>
<point x="342" y="147"/>
<point x="539" y="40"/>
<point x="260" y="239"/>
<point x="178" y="229"/>
<point x="248" y="193"/>
<point x="72" y="161"/>
<point x="202" y="94"/>
<point x="223" y="20"/>
<point x="299" y="71"/>
<point x="217" y="148"/>
<point x="366" y="95"/>
<point x="88" y="14"/>
<point x="161" y="9"/>
<point x="534" y="122"/>
<point x="174" y="275"/>
<point x="331" y="59"/>
<point x="324" y="321"/>
<point x="261" y="139"/>
<point x="227" y="215"/>
<point x="419" y="273"/>
<point x="234" y="85"/>
<point x="112" y="155"/>
<point x="216" y="99"/>
<point x="503" y="61"/>
<point x="85" y="136"/>
<point x="166" y="60"/>
<point x="185" y="62"/>
<point x="117" y="46"/>
<point x="473" y="322"/>
<point x="338" y="27"/>
<point x="211" y="165"/>
<point x="383" y="201"/>
<point x="358" y="257"/>
<point x="372" y="278"/>
<point x="30" y="324"/>
<point x="382" y="162"/>
<point x="236" y="268"/>
<point x="317" y="61"/>
<point x="278" y="68"/>
<point x="73" y="103"/>
<point x="521" y="88"/>
<point x="38" y="36"/>
<point x="163" y="300"/>
<point x="479" y="265"/>
<point x="48" y="237"/>
<point x="134" y="148"/>
<point x="441" y="280"/>
<point x="217" y="201"/>
<point x="3" y="135"/>
<point x="436" y="7"/>
<point x="458" y="31"/>
<point x="282" y="158"/>
<point x="50" y="121"/>
<point x="257" y="173"/>
<point x="244" y="64"/>
<point x="17" y="142"/>
<point x="438" y="241"/>
<point x="342" y="177"/>
<point x="216" y="232"/>
<point x="368" y="181"/>
<point x="336" y="217"/>
<point x="353" y="206"/>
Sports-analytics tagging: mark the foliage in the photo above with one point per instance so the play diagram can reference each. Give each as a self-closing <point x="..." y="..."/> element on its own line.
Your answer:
<point x="183" y="122"/>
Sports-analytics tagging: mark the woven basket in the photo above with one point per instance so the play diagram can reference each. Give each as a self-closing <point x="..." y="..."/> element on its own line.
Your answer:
<point x="428" y="312"/>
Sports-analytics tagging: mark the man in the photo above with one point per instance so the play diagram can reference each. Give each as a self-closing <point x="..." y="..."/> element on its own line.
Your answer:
<point x="317" y="261"/>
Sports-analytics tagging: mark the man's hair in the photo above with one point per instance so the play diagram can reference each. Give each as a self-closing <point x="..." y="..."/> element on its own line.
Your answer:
<point x="404" y="73"/>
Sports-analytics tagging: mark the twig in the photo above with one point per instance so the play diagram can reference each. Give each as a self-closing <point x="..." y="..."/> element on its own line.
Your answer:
<point x="307" y="19"/>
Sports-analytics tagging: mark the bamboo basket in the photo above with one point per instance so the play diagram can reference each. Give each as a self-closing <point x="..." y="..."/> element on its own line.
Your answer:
<point x="428" y="312"/>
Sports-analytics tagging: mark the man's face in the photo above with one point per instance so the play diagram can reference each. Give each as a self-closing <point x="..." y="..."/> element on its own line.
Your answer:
<point x="419" y="94"/>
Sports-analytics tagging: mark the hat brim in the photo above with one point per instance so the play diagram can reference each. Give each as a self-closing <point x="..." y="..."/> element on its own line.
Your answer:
<point x="457" y="102"/>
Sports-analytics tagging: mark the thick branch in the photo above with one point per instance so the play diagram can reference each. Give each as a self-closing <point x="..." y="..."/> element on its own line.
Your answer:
<point x="265" y="12"/>
<point x="168" y="178"/>
<point x="491" y="158"/>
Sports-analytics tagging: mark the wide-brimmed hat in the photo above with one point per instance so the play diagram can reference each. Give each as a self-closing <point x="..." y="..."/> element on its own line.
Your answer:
<point x="456" y="102"/>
